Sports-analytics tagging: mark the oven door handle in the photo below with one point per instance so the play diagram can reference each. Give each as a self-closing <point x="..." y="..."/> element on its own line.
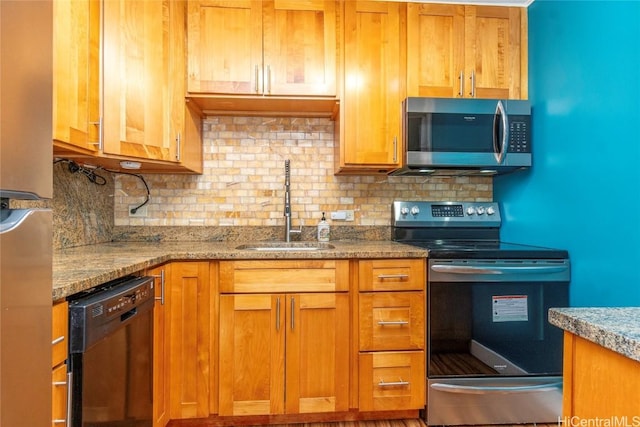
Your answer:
<point x="467" y="269"/>
<point x="465" y="389"/>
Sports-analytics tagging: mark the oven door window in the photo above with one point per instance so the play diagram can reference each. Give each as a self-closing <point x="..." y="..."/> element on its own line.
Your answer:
<point x="489" y="329"/>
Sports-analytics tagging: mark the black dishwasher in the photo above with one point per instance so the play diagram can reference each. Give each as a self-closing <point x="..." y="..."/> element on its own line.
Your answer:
<point x="111" y="354"/>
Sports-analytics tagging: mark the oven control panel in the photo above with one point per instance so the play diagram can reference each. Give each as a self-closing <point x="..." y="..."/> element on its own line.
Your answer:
<point x="445" y="214"/>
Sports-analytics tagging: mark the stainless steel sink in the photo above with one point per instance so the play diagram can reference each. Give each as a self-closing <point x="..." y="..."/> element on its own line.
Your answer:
<point x="286" y="246"/>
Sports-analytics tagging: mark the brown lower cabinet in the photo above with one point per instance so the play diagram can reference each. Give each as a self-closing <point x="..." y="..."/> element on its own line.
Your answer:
<point x="190" y="311"/>
<point x="599" y="383"/>
<point x="59" y="344"/>
<point x="285" y="337"/>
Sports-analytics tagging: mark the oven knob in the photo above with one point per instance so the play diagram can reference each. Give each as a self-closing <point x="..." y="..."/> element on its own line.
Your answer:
<point x="480" y="210"/>
<point x="404" y="210"/>
<point x="415" y="210"/>
<point x="490" y="210"/>
<point x="471" y="210"/>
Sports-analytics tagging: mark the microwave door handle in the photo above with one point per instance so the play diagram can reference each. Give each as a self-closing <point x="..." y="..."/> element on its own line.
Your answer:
<point x="500" y="150"/>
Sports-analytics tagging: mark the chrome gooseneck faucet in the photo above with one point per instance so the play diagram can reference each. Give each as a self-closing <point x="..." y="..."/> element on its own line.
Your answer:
<point x="287" y="203"/>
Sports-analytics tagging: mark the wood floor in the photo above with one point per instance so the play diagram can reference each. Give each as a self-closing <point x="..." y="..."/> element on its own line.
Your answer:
<point x="385" y="423"/>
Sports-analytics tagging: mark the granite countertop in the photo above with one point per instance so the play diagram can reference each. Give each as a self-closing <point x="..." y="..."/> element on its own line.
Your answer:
<point x="83" y="267"/>
<point x="614" y="328"/>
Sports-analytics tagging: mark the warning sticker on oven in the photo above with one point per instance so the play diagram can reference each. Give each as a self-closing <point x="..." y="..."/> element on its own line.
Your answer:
<point x="510" y="308"/>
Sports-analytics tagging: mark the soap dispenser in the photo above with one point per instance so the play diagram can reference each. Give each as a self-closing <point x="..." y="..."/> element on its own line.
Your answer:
<point x="323" y="230"/>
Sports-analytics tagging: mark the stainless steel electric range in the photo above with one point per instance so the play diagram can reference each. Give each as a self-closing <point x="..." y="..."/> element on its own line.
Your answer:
<point x="492" y="357"/>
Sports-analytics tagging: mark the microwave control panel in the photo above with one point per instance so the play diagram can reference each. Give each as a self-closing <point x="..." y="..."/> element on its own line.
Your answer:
<point x="519" y="133"/>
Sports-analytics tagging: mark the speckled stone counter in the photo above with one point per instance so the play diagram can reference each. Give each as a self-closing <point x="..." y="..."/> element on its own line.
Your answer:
<point x="617" y="329"/>
<point x="80" y="268"/>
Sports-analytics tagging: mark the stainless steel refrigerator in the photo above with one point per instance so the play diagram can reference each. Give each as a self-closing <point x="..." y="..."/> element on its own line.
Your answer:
<point x="25" y="222"/>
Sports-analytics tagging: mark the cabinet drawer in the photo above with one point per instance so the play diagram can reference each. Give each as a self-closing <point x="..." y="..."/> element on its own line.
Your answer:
<point x="392" y="321"/>
<point x="60" y="329"/>
<point x="392" y="381"/>
<point x="392" y="274"/>
<point x="284" y="276"/>
<point x="59" y="396"/>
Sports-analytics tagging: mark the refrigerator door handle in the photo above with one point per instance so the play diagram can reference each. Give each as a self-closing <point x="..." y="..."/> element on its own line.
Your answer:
<point x="15" y="219"/>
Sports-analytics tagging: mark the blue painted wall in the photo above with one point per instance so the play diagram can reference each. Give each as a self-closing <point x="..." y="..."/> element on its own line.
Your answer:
<point x="584" y="86"/>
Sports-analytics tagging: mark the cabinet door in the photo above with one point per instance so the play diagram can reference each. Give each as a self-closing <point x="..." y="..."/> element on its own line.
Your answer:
<point x="435" y="40"/>
<point x="373" y="85"/>
<point x="161" y="347"/>
<point x="252" y="348"/>
<point x="299" y="47"/>
<point x="134" y="90"/>
<point x="224" y="47"/>
<point x="189" y="339"/>
<point x="76" y="84"/>
<point x="493" y="52"/>
<point x="317" y="360"/>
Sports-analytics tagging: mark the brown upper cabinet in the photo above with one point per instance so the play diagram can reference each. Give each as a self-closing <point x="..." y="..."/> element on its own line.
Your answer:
<point x="279" y="47"/>
<point x="76" y="70"/>
<point x="466" y="51"/>
<point x="373" y="88"/>
<point x="139" y="113"/>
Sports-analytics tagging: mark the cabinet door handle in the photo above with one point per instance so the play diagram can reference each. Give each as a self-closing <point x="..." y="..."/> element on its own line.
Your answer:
<point x="178" y="147"/>
<point x="461" y="78"/>
<point x="400" y="382"/>
<point x="395" y="149"/>
<point x="267" y="82"/>
<point x="278" y="314"/>
<point x="58" y="340"/>
<point x="393" y="276"/>
<point x="392" y="322"/>
<point x="293" y="317"/>
<point x="100" y="139"/>
<point x="161" y="297"/>
<point x="257" y="85"/>
<point x="473" y="84"/>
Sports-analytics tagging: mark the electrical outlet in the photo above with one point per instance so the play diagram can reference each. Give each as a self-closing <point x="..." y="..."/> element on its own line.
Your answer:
<point x="140" y="213"/>
<point x="350" y="216"/>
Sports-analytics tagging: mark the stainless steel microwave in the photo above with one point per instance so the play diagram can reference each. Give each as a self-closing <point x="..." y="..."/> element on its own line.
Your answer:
<point x="465" y="136"/>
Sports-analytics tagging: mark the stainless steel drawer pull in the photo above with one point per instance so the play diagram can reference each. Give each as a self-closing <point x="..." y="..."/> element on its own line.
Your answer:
<point x="382" y="383"/>
<point x="392" y="322"/>
<point x="59" y="421"/>
<point x="59" y="383"/>
<point x="393" y="276"/>
<point x="57" y="340"/>
<point x="161" y="298"/>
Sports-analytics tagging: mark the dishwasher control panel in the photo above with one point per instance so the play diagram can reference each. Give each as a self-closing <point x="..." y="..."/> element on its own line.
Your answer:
<point x="95" y="313"/>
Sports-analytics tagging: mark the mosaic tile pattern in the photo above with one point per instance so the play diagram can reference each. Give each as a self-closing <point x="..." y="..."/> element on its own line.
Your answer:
<point x="243" y="180"/>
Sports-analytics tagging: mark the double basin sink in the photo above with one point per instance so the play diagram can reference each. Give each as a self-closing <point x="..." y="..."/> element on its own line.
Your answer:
<point x="286" y="246"/>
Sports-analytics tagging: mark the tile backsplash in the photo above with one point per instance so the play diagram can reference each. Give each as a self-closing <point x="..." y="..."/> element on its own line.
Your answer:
<point x="243" y="181"/>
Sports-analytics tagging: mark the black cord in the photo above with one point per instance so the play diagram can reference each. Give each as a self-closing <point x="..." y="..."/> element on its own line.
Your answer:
<point x="89" y="173"/>
<point x="100" y="180"/>
<point x="141" y="178"/>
